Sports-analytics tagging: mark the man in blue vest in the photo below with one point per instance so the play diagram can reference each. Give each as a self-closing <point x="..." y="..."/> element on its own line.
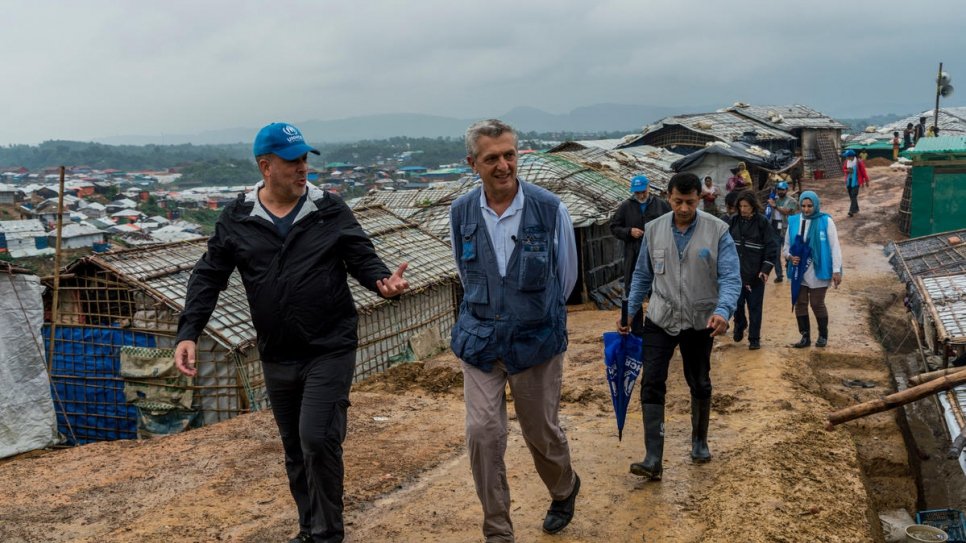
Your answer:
<point x="515" y="251"/>
<point x="690" y="270"/>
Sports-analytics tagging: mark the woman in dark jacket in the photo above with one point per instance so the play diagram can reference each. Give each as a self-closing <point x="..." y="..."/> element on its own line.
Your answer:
<point x="757" y="251"/>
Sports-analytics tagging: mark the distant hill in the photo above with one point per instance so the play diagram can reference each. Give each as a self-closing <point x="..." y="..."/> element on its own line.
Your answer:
<point x="596" y="118"/>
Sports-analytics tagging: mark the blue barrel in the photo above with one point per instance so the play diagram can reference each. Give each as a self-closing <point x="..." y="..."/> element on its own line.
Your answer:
<point x="40" y="242"/>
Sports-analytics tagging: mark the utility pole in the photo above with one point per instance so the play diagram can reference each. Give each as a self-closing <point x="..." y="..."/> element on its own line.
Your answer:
<point x="939" y="84"/>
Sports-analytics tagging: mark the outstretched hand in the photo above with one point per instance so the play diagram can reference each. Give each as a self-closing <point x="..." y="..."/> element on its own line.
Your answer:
<point x="394" y="285"/>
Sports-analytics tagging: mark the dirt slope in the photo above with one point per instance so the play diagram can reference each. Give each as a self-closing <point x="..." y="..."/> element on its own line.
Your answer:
<point x="777" y="475"/>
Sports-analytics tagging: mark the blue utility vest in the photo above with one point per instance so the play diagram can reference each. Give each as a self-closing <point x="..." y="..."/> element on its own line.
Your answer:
<point x="518" y="319"/>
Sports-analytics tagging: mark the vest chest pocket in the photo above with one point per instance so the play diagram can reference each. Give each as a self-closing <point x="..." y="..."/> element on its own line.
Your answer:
<point x="476" y="291"/>
<point x="534" y="262"/>
<point x="468" y="241"/>
<point x="659" y="258"/>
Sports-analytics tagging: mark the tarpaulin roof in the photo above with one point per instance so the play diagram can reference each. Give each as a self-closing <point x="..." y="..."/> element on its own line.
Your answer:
<point x="752" y="155"/>
<point x="722" y="125"/>
<point x="789" y="117"/>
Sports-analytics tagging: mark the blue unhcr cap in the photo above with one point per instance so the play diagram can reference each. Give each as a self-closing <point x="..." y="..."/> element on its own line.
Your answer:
<point x="782" y="186"/>
<point x="283" y="140"/>
<point x="848" y="153"/>
<point x="639" y="183"/>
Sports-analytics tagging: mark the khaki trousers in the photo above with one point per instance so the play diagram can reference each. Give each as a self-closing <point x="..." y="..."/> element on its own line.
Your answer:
<point x="536" y="398"/>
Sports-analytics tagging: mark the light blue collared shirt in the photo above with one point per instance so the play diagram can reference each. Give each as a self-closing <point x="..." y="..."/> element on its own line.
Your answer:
<point x="503" y="230"/>
<point x="729" y="272"/>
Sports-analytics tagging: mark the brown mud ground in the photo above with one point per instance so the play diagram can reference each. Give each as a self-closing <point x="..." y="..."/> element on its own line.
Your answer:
<point x="777" y="474"/>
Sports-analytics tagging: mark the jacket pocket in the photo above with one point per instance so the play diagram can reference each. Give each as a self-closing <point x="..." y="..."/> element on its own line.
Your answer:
<point x="534" y="262"/>
<point x="470" y="339"/>
<point x="659" y="261"/>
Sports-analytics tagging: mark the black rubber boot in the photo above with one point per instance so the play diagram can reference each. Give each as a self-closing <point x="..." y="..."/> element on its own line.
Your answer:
<point x="822" y="332"/>
<point x="651" y="468"/>
<point x="804" y="329"/>
<point x="700" y="413"/>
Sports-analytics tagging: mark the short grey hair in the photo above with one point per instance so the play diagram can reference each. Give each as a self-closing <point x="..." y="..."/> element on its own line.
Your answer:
<point x="492" y="128"/>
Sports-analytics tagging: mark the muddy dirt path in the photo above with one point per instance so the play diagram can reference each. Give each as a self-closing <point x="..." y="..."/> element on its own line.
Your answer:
<point x="777" y="475"/>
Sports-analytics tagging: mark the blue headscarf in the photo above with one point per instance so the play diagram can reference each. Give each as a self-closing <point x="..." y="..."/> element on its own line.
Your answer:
<point x="815" y="225"/>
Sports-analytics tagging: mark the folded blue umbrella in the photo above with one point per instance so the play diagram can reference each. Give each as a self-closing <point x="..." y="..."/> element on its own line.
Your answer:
<point x="796" y="272"/>
<point x="622" y="358"/>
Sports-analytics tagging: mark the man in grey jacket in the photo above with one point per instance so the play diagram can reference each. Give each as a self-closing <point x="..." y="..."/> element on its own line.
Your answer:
<point x="689" y="267"/>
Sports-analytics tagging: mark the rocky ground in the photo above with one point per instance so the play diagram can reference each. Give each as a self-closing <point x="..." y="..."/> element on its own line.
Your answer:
<point x="777" y="474"/>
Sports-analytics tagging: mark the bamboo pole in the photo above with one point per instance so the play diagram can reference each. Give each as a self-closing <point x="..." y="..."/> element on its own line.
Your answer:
<point x="56" y="293"/>
<point x="917" y="380"/>
<point x="908" y="395"/>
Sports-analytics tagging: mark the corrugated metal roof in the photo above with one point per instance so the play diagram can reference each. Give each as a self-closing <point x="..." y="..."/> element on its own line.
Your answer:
<point x="164" y="270"/>
<point x="952" y="122"/>
<point x="941" y="144"/>
<point x="724" y="125"/>
<point x="789" y="117"/>
<point x="946" y="297"/>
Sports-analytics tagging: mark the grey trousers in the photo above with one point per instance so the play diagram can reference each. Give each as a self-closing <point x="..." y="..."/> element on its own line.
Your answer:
<point x="536" y="397"/>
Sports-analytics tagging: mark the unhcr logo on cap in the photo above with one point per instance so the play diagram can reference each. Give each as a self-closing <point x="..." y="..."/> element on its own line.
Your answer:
<point x="283" y="140"/>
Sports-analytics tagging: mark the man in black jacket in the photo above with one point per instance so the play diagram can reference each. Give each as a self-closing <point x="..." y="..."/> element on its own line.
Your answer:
<point x="627" y="225"/>
<point x="293" y="245"/>
<point x="757" y="247"/>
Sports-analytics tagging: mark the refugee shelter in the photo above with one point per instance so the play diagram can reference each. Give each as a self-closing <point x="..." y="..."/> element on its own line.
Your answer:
<point x="623" y="164"/>
<point x="27" y="420"/>
<point x="717" y="159"/>
<point x="936" y="186"/>
<point x="817" y="136"/>
<point x="685" y="134"/>
<point x="952" y="122"/>
<point x="115" y="323"/>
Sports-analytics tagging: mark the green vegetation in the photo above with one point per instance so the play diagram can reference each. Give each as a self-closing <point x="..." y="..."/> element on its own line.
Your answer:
<point x="206" y="218"/>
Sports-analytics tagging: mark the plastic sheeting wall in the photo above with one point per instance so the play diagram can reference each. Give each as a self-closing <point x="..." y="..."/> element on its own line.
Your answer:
<point x="89" y="391"/>
<point x="27" y="420"/>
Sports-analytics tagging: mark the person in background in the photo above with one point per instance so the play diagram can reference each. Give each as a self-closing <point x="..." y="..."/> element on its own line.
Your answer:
<point x="745" y="175"/>
<point x="824" y="266"/>
<point x="855" y="177"/>
<point x="628" y="225"/>
<point x="907" y="136"/>
<point x="514" y="247"/>
<point x="736" y="182"/>
<point x="731" y="204"/>
<point x="757" y="247"/>
<point x="895" y="146"/>
<point x="294" y="246"/>
<point x="919" y="131"/>
<point x="783" y="206"/>
<point x="709" y="196"/>
<point x="689" y="269"/>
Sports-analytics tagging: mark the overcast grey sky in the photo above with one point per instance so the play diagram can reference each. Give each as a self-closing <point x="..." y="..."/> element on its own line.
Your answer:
<point x="89" y="69"/>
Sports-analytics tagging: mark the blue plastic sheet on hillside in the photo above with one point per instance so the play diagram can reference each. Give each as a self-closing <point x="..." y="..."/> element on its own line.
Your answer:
<point x="87" y="389"/>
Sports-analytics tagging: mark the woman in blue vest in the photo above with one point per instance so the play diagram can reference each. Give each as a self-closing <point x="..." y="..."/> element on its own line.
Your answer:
<point x="824" y="266"/>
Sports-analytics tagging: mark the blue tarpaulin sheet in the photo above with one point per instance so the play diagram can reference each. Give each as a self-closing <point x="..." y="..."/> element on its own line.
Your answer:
<point x="87" y="389"/>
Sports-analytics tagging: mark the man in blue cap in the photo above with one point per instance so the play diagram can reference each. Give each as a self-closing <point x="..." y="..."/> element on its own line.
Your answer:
<point x="627" y="225"/>
<point x="293" y="245"/>
<point x="783" y="206"/>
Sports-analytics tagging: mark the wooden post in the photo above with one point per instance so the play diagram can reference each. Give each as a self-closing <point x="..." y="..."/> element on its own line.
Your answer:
<point x="908" y="395"/>
<point x="56" y="294"/>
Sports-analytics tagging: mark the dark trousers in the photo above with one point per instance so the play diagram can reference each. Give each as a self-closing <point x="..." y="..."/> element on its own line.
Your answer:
<point x="310" y="400"/>
<point x="637" y="320"/>
<point x="753" y="298"/>
<point x="657" y="351"/>
<point x="854" y="200"/>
